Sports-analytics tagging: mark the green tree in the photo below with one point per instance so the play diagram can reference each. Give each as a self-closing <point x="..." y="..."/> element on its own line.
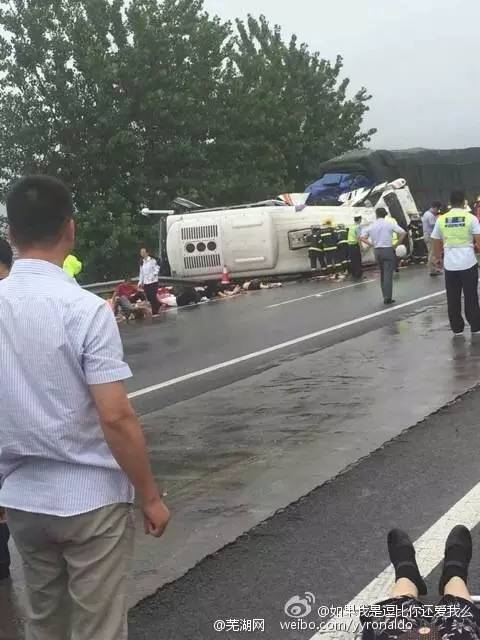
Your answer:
<point x="62" y="113"/>
<point x="135" y="102"/>
<point x="294" y="112"/>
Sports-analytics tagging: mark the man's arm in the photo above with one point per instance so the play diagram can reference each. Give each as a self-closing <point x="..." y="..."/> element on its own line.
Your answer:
<point x="437" y="248"/>
<point x="437" y="245"/>
<point x="363" y="237"/>
<point x="476" y="232"/>
<point x="125" y="438"/>
<point x="104" y="371"/>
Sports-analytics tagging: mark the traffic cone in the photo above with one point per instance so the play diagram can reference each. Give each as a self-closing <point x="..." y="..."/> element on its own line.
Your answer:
<point x="225" y="276"/>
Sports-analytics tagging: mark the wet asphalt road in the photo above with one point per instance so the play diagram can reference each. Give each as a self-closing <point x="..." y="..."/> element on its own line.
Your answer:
<point x="331" y="542"/>
<point x="240" y="443"/>
<point x="192" y="339"/>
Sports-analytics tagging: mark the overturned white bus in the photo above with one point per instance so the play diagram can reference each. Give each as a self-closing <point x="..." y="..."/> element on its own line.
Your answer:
<point x="269" y="238"/>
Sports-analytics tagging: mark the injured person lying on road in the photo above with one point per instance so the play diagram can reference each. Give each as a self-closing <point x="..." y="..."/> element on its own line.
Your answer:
<point x="403" y="616"/>
<point x="256" y="285"/>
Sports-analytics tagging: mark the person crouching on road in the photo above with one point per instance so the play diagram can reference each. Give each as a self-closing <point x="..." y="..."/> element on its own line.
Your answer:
<point x="125" y="299"/>
<point x="381" y="234"/>
<point x="455" y="235"/>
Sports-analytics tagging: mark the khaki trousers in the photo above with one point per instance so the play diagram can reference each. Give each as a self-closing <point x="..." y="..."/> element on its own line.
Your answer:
<point x="76" y="572"/>
<point x="429" y="244"/>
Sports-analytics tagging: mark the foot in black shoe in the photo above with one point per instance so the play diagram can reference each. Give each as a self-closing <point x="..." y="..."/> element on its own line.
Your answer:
<point x="389" y="301"/>
<point x="402" y="556"/>
<point x="4" y="571"/>
<point x="458" y="553"/>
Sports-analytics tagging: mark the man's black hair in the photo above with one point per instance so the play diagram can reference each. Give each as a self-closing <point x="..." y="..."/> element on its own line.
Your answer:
<point x="38" y="209"/>
<point x="6" y="254"/>
<point x="457" y="198"/>
<point x="381" y="212"/>
<point x="436" y="204"/>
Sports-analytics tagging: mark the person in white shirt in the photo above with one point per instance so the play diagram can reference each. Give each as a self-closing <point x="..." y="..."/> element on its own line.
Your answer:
<point x="381" y="235"/>
<point x="429" y="220"/>
<point x="72" y="449"/>
<point x="455" y="235"/>
<point x="148" y="279"/>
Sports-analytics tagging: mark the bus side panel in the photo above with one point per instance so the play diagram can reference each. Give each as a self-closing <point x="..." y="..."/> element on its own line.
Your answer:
<point x="249" y="242"/>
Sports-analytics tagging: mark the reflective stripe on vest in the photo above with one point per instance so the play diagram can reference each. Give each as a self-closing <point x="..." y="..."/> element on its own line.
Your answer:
<point x="456" y="231"/>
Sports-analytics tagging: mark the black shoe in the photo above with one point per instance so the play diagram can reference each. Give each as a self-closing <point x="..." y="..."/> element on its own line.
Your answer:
<point x="389" y="301"/>
<point x="402" y="556"/>
<point x="4" y="571"/>
<point x="458" y="553"/>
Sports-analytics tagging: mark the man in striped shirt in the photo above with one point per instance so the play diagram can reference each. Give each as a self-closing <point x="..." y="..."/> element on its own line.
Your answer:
<point x="71" y="448"/>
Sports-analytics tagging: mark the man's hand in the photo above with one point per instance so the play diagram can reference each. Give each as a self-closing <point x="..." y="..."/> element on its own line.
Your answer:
<point x="156" y="517"/>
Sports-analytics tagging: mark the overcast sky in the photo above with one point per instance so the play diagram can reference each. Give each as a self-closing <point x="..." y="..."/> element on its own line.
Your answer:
<point x="420" y="60"/>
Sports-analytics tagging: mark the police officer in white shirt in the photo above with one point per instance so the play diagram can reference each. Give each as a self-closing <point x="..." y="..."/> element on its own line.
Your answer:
<point x="455" y="234"/>
<point x="381" y="235"/>
<point x="148" y="279"/>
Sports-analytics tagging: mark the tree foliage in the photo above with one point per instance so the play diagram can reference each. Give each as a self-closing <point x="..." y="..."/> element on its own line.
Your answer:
<point x="133" y="103"/>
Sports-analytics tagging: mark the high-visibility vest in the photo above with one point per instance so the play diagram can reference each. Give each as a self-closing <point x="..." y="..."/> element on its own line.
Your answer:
<point x="456" y="228"/>
<point x="394" y="235"/>
<point x="72" y="266"/>
<point x="353" y="233"/>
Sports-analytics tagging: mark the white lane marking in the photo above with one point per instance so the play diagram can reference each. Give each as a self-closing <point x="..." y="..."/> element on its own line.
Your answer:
<point x="319" y="294"/>
<point x="281" y="345"/>
<point x="429" y="549"/>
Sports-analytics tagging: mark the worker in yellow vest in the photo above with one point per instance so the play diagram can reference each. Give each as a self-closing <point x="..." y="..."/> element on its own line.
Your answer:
<point x="72" y="266"/>
<point x="354" y="252"/>
<point x="455" y="235"/>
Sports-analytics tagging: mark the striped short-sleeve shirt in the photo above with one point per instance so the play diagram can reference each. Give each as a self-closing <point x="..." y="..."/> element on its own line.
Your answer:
<point x="56" y="339"/>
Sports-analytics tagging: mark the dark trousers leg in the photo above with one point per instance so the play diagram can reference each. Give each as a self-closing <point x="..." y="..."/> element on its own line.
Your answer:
<point x="470" y="293"/>
<point x="313" y="258"/>
<point x="330" y="259"/>
<point x="355" y="257"/>
<point x="453" y="285"/>
<point x="386" y="260"/>
<point x="4" y="553"/>
<point x="151" y="294"/>
<point x="381" y="265"/>
<point x="390" y="264"/>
